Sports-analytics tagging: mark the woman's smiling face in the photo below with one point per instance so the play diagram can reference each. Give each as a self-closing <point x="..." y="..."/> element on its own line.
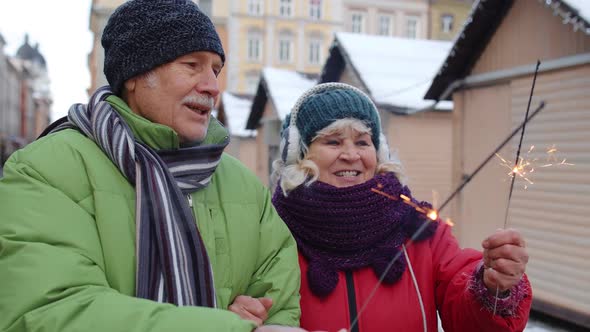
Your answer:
<point x="345" y="158"/>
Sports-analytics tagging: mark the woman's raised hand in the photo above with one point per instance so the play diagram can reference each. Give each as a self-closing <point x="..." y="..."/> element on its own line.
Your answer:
<point x="505" y="258"/>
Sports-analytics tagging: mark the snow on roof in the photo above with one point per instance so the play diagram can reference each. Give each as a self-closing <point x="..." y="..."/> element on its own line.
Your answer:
<point x="583" y="11"/>
<point x="236" y="113"/>
<point x="285" y="87"/>
<point x="396" y="71"/>
<point x="582" y="6"/>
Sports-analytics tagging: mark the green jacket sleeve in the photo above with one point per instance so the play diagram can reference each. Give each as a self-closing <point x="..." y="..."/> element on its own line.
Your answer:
<point x="52" y="271"/>
<point x="277" y="262"/>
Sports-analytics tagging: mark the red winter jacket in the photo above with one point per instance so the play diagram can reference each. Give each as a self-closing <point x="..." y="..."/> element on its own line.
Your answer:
<point x="444" y="274"/>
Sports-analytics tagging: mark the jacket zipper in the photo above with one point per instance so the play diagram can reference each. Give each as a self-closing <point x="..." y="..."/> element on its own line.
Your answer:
<point x="190" y="200"/>
<point x="351" y="295"/>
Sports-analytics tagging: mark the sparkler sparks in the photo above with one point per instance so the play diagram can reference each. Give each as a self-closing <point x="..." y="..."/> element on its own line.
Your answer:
<point x="552" y="159"/>
<point x="527" y="164"/>
<point x="522" y="168"/>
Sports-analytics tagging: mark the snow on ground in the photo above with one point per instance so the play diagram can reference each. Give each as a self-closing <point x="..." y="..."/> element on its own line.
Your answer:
<point x="534" y="325"/>
<point x="537" y="326"/>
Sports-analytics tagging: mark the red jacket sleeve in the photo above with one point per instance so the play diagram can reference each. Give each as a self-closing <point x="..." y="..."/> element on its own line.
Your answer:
<point x="461" y="297"/>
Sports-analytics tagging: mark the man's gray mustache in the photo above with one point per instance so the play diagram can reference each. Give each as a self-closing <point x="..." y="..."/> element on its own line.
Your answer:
<point x="200" y="99"/>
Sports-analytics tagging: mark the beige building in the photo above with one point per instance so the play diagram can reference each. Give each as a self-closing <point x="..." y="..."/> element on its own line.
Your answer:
<point x="489" y="74"/>
<point x="446" y="18"/>
<point x="287" y="34"/>
<point x="400" y="18"/>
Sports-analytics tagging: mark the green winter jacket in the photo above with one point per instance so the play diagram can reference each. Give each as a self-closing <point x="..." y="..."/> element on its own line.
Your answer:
<point x="67" y="241"/>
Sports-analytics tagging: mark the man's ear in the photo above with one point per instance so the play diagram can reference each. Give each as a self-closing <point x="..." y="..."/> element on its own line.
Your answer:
<point x="130" y="84"/>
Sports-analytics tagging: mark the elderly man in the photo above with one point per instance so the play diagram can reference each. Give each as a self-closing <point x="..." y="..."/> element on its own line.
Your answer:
<point x="127" y="216"/>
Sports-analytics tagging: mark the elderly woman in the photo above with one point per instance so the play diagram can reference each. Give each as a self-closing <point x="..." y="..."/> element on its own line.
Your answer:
<point x="370" y="263"/>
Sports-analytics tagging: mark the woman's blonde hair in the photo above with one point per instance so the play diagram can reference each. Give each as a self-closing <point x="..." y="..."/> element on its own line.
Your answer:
<point x="305" y="171"/>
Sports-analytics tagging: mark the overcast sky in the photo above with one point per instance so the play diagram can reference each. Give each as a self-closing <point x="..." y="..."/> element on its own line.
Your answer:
<point x="61" y="29"/>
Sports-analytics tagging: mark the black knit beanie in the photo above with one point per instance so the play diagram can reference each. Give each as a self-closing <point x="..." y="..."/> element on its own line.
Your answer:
<point x="143" y="34"/>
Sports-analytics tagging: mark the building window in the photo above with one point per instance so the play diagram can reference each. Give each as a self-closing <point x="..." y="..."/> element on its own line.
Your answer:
<point x="254" y="46"/>
<point x="255" y="7"/>
<point x="357" y="24"/>
<point x="412" y="27"/>
<point x="315" y="51"/>
<point x="286" y="8"/>
<point x="446" y="22"/>
<point x="315" y="9"/>
<point x="385" y="25"/>
<point x="285" y="49"/>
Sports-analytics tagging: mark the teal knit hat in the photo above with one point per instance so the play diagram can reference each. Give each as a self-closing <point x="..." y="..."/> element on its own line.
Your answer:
<point x="321" y="106"/>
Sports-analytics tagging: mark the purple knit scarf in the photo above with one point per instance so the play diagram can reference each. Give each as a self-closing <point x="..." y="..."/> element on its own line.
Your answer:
<point x="339" y="229"/>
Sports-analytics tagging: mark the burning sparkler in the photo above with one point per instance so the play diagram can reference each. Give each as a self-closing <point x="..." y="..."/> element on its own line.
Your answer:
<point x="527" y="164"/>
<point x="449" y="198"/>
<point x="521" y="167"/>
<point x="431" y="214"/>
<point x="515" y="168"/>
<point x="452" y="195"/>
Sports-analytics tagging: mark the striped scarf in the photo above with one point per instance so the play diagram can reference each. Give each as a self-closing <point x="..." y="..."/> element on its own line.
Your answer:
<point x="172" y="262"/>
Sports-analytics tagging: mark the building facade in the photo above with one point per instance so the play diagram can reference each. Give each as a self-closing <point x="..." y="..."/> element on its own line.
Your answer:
<point x="401" y="18"/>
<point x="446" y="18"/>
<point x="286" y="34"/>
<point x="25" y="98"/>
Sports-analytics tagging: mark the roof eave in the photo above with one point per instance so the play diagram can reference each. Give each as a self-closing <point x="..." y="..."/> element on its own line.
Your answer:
<point x="334" y="65"/>
<point x="398" y="110"/>
<point x="470" y="43"/>
<point x="257" y="109"/>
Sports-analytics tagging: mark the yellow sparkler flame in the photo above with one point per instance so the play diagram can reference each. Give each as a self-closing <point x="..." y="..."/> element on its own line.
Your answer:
<point x="433" y="215"/>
